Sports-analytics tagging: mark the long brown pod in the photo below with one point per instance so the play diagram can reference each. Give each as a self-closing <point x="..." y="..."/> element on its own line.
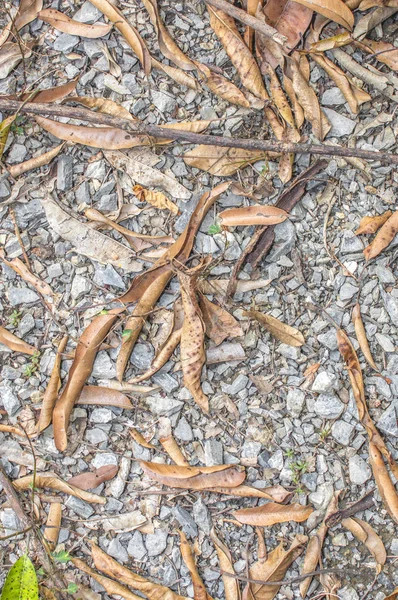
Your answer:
<point x="53" y="525"/>
<point x="52" y="389"/>
<point x="361" y="335"/>
<point x="14" y="343"/>
<point x="161" y="358"/>
<point x="110" y="586"/>
<point x="385" y="486"/>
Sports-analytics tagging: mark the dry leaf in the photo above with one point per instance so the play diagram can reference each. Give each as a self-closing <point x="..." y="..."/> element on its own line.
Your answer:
<point x="393" y="595"/>
<point x="104" y="106"/>
<point x="361" y="335"/>
<point x="385" y="486"/>
<point x="53" y="482"/>
<point x="199" y="590"/>
<point x="181" y="77"/>
<point x="285" y="333"/>
<point x="157" y="199"/>
<point x="103" y="562"/>
<point x="53" y="525"/>
<point x="221" y="161"/>
<point x="89" y="480"/>
<point x="145" y="175"/>
<point x="385" y="53"/>
<point x="167" y="45"/>
<point x="113" y="588"/>
<point x="94" y="395"/>
<point x="11" y="56"/>
<point x="79" y="372"/>
<point x="194" y="478"/>
<point x="129" y="32"/>
<point x="52" y="389"/>
<point x="67" y="25"/>
<point x="193" y="355"/>
<point x="171" y="447"/>
<point x="27" y="12"/>
<point x="336" y="41"/>
<point x="219" y="286"/>
<point x="336" y="10"/>
<point x="17" y="265"/>
<point x="372" y="224"/>
<point x="371" y="20"/>
<point x="5" y="127"/>
<point x="14" y="343"/>
<point x="271" y="513"/>
<point x="231" y="585"/>
<point x="290" y="19"/>
<point x="383" y="238"/>
<point x="276" y="493"/>
<point x="88" y="241"/>
<point x="367" y="535"/>
<point x="139" y="438"/>
<point x="221" y="86"/>
<point x="257" y="214"/>
<point x="36" y="162"/>
<point x="219" y="323"/>
<point x="129" y="521"/>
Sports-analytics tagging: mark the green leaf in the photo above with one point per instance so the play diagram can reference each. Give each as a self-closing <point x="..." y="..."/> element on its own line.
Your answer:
<point x="62" y="557"/>
<point x="104" y="311"/>
<point x="214" y="228"/>
<point x="127" y="334"/>
<point x="72" y="588"/>
<point x="21" y="582"/>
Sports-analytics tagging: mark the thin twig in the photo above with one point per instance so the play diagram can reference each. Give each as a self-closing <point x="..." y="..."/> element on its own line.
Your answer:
<point x="292" y="579"/>
<point x="139" y="128"/>
<point x="19" y="238"/>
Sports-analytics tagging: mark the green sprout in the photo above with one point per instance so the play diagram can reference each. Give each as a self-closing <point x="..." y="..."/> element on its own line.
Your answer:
<point x="214" y="228"/>
<point x="72" y="588"/>
<point x="126" y="334"/>
<point x="15" y="318"/>
<point x="33" y="365"/>
<point x="61" y="557"/>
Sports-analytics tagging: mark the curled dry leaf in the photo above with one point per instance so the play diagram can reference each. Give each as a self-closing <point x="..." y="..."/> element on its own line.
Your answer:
<point x="27" y="12"/>
<point x="231" y="585"/>
<point x="139" y="438"/>
<point x="385" y="53"/>
<point x="35" y="163"/>
<point x="129" y="32"/>
<point x="176" y="74"/>
<point x="167" y="45"/>
<point x="145" y="175"/>
<point x="52" y="389"/>
<point x="367" y="535"/>
<point x="104" y="106"/>
<point x="393" y="595"/>
<point x="222" y="161"/>
<point x="199" y="590"/>
<point x="285" y="333"/>
<point x="257" y="214"/>
<point x="171" y="447"/>
<point x="103" y="562"/>
<point x="67" y="25"/>
<point x="221" y="86"/>
<point x="371" y="20"/>
<point x="385" y="486"/>
<point x="290" y="18"/>
<point x="11" y="56"/>
<point x="12" y="429"/>
<point x="94" y="395"/>
<point x="271" y="513"/>
<point x="276" y="493"/>
<point x="14" y="343"/>
<point x="17" y="265"/>
<point x="53" y="482"/>
<point x="361" y="335"/>
<point x="88" y="241"/>
<point x="192" y="341"/>
<point x="383" y="238"/>
<point x="219" y="323"/>
<point x="113" y="588"/>
<point x="195" y="478"/>
<point x="336" y="10"/>
<point x="80" y="371"/>
<point x="273" y="569"/>
<point x="91" y="479"/>
<point x="372" y="224"/>
<point x="5" y="127"/>
<point x="53" y="525"/>
<point x="219" y="286"/>
<point x="157" y="199"/>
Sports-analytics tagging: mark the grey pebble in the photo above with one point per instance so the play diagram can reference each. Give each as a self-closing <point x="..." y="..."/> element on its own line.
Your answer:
<point x="117" y="551"/>
<point x="328" y="406"/>
<point x="136" y="547"/>
<point x="295" y="401"/>
<point x="342" y="432"/>
<point x="80" y="507"/>
<point x="9" y="399"/>
<point x="213" y="453"/>
<point x="324" y="382"/>
<point x="186" y="521"/>
<point x="201" y="516"/>
<point x="341" y="125"/>
<point x="64" y="172"/>
<point x="183" y="431"/>
<point x="21" y="295"/>
<point x="156" y="543"/>
<point x="359" y="470"/>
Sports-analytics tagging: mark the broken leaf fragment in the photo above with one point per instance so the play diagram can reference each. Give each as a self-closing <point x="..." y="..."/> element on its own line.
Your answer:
<point x="195" y="478"/>
<point x="91" y="479"/>
<point x="384" y="237"/>
<point x="157" y="199"/>
<point x="361" y="335"/>
<point x="285" y="333"/>
<point x="14" y="343"/>
<point x="63" y="23"/>
<point x="271" y="513"/>
<point x="367" y="535"/>
<point x="258" y="214"/>
<point x="372" y="224"/>
<point x="219" y="323"/>
<point x="53" y="482"/>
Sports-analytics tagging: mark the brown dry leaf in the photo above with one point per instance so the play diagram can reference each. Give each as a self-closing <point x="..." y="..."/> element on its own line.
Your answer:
<point x="313" y="553"/>
<point x="273" y="569"/>
<point x="176" y="74"/>
<point x="103" y="562"/>
<point x="52" y="389"/>
<point x="284" y="333"/>
<point x="94" y="395"/>
<point x="80" y="371"/>
<point x="372" y="224"/>
<point x="221" y="86"/>
<point x="167" y="45"/>
<point x="157" y="199"/>
<point x="67" y="25"/>
<point x="91" y="479"/>
<point x="36" y="162"/>
<point x="367" y="535"/>
<point x="27" y="12"/>
<point x="219" y="286"/>
<point x="336" y="41"/>
<point x="193" y="356"/>
<point x="129" y="32"/>
<point x="219" y="323"/>
<point x="11" y="56"/>
<point x="104" y="106"/>
<point x="290" y="19"/>
<point x="383" y="238"/>
<point x="12" y="429"/>
<point x="241" y="57"/>
<point x="53" y="482"/>
<point x="257" y="214"/>
<point x="139" y="438"/>
<point x="195" y="478"/>
<point x="361" y="335"/>
<point x="171" y="447"/>
<point x="231" y="585"/>
<point x="113" y="588"/>
<point x="5" y="127"/>
<point x="371" y="20"/>
<point x="393" y="595"/>
<point x="355" y="374"/>
<point x="385" y="53"/>
<point x="222" y="161"/>
<point x="385" y="486"/>
<point x="14" y="343"/>
<point x="271" y="513"/>
<point x="199" y="590"/>
<point x="311" y="370"/>
<point x="53" y="525"/>
<point x="86" y="240"/>
<point x="251" y="7"/>
<point x="336" y="10"/>
<point x="276" y="493"/>
<point x="17" y="265"/>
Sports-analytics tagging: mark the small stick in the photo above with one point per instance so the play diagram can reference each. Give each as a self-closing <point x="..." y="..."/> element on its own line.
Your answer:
<point x="19" y="238"/>
<point x="244" y="17"/>
<point x="292" y="579"/>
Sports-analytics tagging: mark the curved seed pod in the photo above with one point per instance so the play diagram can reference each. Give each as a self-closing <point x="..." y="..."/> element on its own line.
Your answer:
<point x="272" y="513"/>
<point x="36" y="162"/>
<point x="67" y="25"/>
<point x="383" y="238"/>
<point x="171" y="447"/>
<point x="161" y="358"/>
<point x="52" y="389"/>
<point x="53" y="525"/>
<point x="385" y="486"/>
<point x="221" y="86"/>
<point x="367" y="535"/>
<point x="14" y="343"/>
<point x="231" y="585"/>
<point x="361" y="336"/>
<point x="113" y="588"/>
<point x="372" y="224"/>
<point x="195" y="478"/>
<point x="285" y="333"/>
<point x="199" y="590"/>
<point x="257" y="214"/>
<point x="53" y="482"/>
<point x="80" y="371"/>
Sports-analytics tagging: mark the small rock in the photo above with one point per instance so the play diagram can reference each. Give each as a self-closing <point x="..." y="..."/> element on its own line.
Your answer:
<point x="249" y="453"/>
<point x="295" y="401"/>
<point x="101" y="415"/>
<point x="5" y="189"/>
<point x="81" y="508"/>
<point x="96" y="436"/>
<point x="285" y="236"/>
<point x="276" y="461"/>
<point x="183" y="431"/>
<point x="21" y="295"/>
<point x="161" y="406"/>
<point x="213" y="453"/>
<point x="341" y="125"/>
<point x="26" y="324"/>
<point x="236" y="386"/>
<point x="164" y="102"/>
<point x="348" y="593"/>
<point x="385" y="342"/>
<point x="65" y="172"/>
<point x="187" y="523"/>
<point x="201" y="516"/>
<point x="9" y="399"/>
<point x="347" y="291"/>
<point x="108" y="276"/>
<point x="388" y="422"/>
<point x="80" y="287"/>
<point x="350" y="243"/>
<point x="10" y="522"/>
<point x="142" y="356"/>
<point x="65" y="42"/>
<point x="359" y="470"/>
<point x="390" y="304"/>
<point x="55" y="270"/>
<point x="329" y="339"/>
<point x="103" y="367"/>
<point x="321" y="498"/>
<point x="117" y="551"/>
<point x="156" y="542"/>
<point x="16" y="154"/>
<point x="328" y="406"/>
<point x="342" y="431"/>
<point x="332" y="97"/>
<point x="87" y="13"/>
<point x="136" y="547"/>
<point x="324" y="382"/>
<point x="168" y="383"/>
<point x="103" y="459"/>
